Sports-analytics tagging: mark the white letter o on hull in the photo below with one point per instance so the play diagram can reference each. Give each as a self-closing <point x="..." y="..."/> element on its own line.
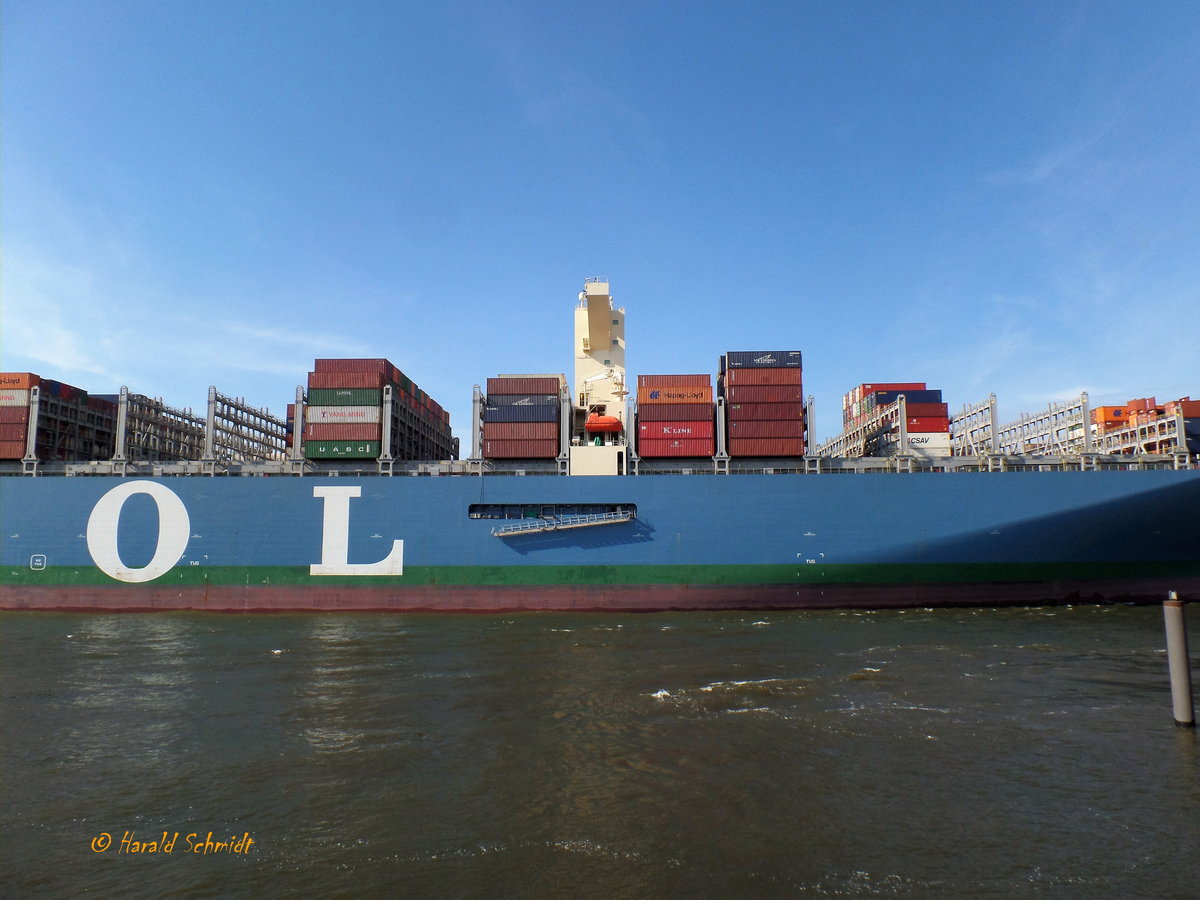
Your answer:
<point x="174" y="526"/>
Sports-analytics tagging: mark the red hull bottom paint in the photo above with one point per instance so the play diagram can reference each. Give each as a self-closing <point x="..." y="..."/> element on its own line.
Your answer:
<point x="630" y="598"/>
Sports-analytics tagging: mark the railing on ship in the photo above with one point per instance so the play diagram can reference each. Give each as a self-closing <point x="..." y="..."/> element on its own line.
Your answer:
<point x="809" y="465"/>
<point x="1058" y="438"/>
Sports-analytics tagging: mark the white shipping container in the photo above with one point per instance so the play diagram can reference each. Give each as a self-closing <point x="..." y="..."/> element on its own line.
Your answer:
<point x="356" y="414"/>
<point x="14" y="398"/>
<point x="929" y="444"/>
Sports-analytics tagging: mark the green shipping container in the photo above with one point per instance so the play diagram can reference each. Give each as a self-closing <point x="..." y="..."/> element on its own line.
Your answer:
<point x="345" y="397"/>
<point x="342" y="449"/>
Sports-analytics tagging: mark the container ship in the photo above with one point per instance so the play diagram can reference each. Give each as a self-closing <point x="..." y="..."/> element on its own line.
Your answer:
<point x="680" y="491"/>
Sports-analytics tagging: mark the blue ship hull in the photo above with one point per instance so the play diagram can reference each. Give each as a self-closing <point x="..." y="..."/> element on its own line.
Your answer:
<point x="651" y="542"/>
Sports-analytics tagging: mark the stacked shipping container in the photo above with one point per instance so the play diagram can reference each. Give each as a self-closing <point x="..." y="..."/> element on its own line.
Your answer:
<point x="522" y="417"/>
<point x="764" y="402"/>
<point x="14" y="412"/>
<point x="69" y="424"/>
<point x="927" y="418"/>
<point x="675" y="416"/>
<point x="345" y="413"/>
<point x="859" y="404"/>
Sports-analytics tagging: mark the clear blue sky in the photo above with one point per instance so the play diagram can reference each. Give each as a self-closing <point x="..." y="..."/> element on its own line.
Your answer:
<point x="989" y="197"/>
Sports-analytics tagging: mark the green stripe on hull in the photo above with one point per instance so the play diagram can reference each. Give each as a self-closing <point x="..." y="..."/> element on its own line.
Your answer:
<point x="546" y="576"/>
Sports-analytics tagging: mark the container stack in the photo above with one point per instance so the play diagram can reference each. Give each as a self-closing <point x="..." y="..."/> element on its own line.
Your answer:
<point x="927" y="418"/>
<point x="70" y="425"/>
<point x="1143" y="411"/>
<point x="764" y="402"/>
<point x="860" y="403"/>
<point x="522" y="417"/>
<point x="14" y="412"/>
<point x="675" y="416"/>
<point x="345" y="414"/>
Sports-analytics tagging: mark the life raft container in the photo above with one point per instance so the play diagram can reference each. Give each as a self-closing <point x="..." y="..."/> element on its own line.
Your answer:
<point x="602" y="424"/>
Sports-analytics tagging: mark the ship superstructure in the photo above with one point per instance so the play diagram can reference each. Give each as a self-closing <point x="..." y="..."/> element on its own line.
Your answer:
<point x="598" y="433"/>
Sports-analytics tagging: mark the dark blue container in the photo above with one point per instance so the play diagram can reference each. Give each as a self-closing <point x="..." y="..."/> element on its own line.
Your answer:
<point x="761" y="359"/>
<point x="502" y="400"/>
<point x="520" y="413"/>
<point x="883" y="398"/>
<point x="1191" y="435"/>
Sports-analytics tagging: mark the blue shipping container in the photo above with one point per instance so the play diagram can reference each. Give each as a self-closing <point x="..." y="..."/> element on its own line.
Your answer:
<point x="501" y="400"/>
<point x="520" y="413"/>
<point x="761" y="359"/>
<point x="883" y="398"/>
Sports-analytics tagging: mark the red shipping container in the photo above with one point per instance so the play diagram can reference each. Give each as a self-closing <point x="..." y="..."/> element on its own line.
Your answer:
<point x="1147" y="404"/>
<point x="927" y="410"/>
<point x="765" y="411"/>
<point x="13" y="432"/>
<point x="520" y="431"/>
<point x="1189" y="407"/>
<point x="674" y="380"/>
<point x="18" y="381"/>
<point x="685" y="430"/>
<point x="374" y="380"/>
<point x="539" y="449"/>
<point x="12" y="449"/>
<point x="762" y="376"/>
<point x="675" y="447"/>
<point x="523" y="384"/>
<point x="10" y="415"/>
<point x="783" y="393"/>
<point x="675" y="412"/>
<point x="380" y="366"/>
<point x="877" y="386"/>
<point x="930" y="425"/>
<point x="766" y="447"/>
<point x="342" y="431"/>
<point x="766" y="428"/>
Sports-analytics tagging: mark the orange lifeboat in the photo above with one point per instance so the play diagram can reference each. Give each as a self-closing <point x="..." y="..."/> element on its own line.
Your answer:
<point x="598" y="424"/>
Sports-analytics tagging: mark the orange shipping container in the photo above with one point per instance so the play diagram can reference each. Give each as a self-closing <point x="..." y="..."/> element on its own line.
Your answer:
<point x="18" y="380"/>
<point x="1109" y="415"/>
<point x="12" y="449"/>
<point x="692" y="394"/>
